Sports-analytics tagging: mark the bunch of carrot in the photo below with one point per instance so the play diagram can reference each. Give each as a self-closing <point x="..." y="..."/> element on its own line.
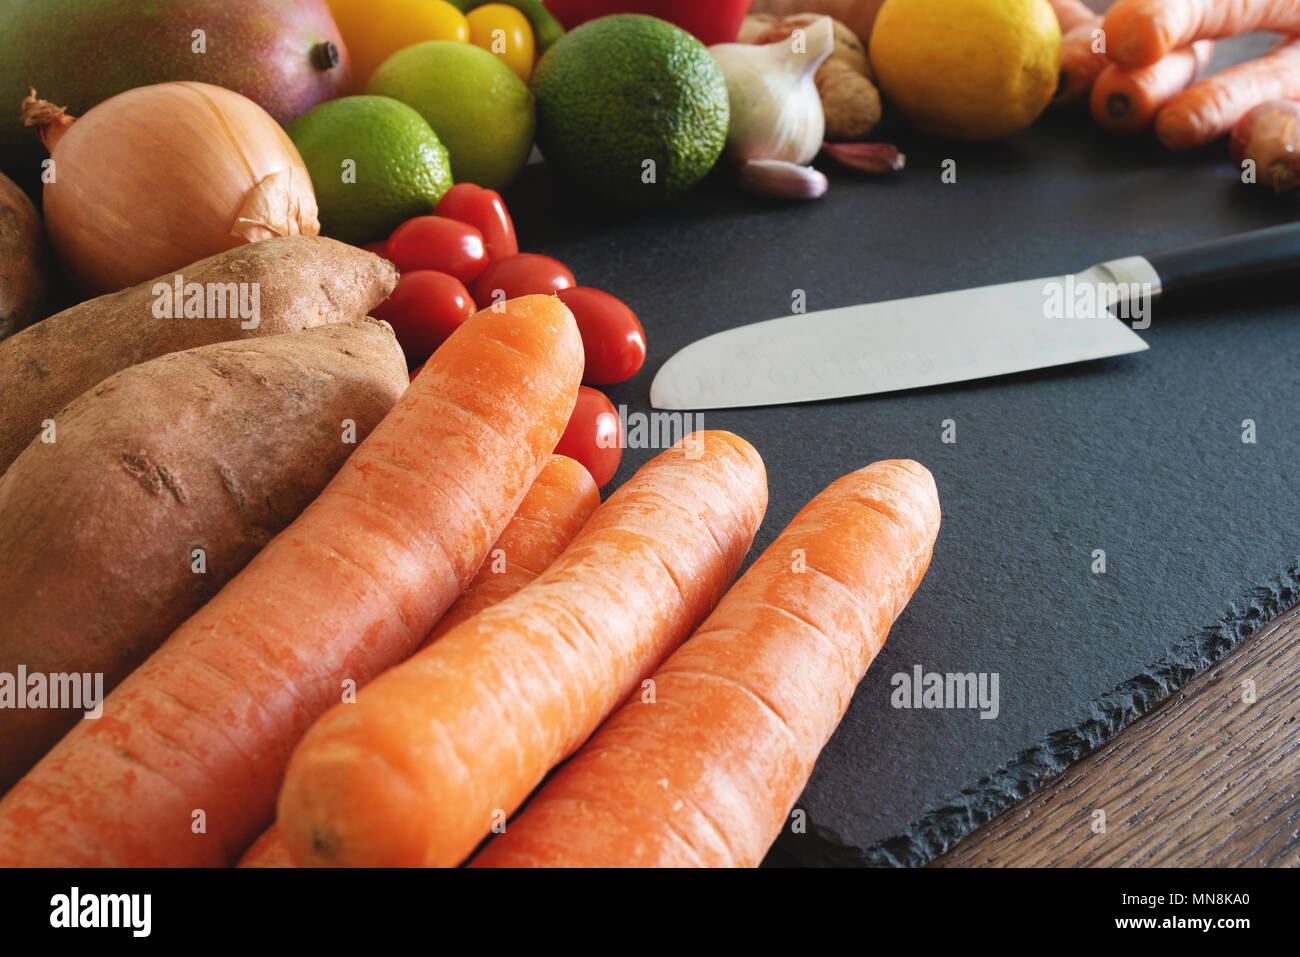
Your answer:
<point x="1138" y="65"/>
<point x="494" y="616"/>
<point x="705" y="769"/>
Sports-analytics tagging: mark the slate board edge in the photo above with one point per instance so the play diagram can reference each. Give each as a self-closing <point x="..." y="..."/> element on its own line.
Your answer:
<point x="938" y="831"/>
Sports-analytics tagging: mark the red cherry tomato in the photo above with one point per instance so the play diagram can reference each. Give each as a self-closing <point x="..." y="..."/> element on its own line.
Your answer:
<point x="485" y="210"/>
<point x="594" y="435"/>
<point x="379" y="247"/>
<point x="438" y="243"/>
<point x="612" y="335"/>
<point x="522" y="274"/>
<point x="424" y="309"/>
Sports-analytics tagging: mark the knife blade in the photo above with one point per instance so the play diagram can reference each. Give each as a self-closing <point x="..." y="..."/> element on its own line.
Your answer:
<point x="955" y="336"/>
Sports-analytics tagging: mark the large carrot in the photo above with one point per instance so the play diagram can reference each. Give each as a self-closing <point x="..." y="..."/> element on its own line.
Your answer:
<point x="437" y="750"/>
<point x="1071" y="13"/>
<point x="183" y="767"/>
<point x="1082" y="59"/>
<point x="556" y="507"/>
<point x="1126" y="101"/>
<point x="1140" y="32"/>
<point x="704" y="768"/>
<point x="269" y="850"/>
<point x="1211" y="108"/>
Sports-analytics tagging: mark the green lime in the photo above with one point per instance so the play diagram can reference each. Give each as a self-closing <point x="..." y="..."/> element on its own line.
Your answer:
<point x="374" y="163"/>
<point x="475" y="103"/>
<point x="631" y="108"/>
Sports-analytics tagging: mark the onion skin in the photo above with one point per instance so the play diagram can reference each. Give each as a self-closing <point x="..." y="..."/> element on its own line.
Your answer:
<point x="1270" y="136"/>
<point x="162" y="176"/>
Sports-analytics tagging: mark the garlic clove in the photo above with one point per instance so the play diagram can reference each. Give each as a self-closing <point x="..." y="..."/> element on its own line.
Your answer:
<point x="783" y="180"/>
<point x="867" y="157"/>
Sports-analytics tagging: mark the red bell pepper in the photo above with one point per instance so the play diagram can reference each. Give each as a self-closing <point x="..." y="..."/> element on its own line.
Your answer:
<point x="712" y="21"/>
<point x="484" y="210"/>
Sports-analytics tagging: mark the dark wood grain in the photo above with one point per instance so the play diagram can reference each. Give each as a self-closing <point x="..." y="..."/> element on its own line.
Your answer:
<point x="1207" y="779"/>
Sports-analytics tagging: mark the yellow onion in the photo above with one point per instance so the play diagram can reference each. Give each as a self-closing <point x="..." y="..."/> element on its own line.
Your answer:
<point x="161" y="176"/>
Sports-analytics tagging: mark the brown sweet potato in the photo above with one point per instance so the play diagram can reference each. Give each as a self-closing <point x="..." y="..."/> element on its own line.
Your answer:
<point x="214" y="449"/>
<point x="301" y="281"/>
<point x="24" y="261"/>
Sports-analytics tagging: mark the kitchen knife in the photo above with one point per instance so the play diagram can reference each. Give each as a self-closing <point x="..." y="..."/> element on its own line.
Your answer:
<point x="967" y="334"/>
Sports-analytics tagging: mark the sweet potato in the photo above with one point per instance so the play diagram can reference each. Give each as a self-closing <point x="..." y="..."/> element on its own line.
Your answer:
<point x="24" y="260"/>
<point x="213" y="449"/>
<point x="300" y="281"/>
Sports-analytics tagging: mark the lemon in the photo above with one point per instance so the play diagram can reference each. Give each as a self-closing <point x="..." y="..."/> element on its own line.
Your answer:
<point x="373" y="30"/>
<point x="967" y="69"/>
<point x="480" y="110"/>
<point x="374" y="163"/>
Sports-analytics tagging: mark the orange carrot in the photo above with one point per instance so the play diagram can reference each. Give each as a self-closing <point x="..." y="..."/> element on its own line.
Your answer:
<point x="269" y="850"/>
<point x="182" y="768"/>
<point x="556" y="507"/>
<point x="438" y="749"/>
<point x="1071" y="13"/>
<point x="1211" y="108"/>
<point x="1269" y="138"/>
<point x="1082" y="60"/>
<point x="552" y="513"/>
<point x="1140" y="32"/>
<point x="704" y="768"/>
<point x="1126" y="101"/>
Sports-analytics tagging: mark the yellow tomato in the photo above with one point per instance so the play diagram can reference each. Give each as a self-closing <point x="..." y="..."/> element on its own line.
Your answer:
<point x="373" y="30"/>
<point x="505" y="32"/>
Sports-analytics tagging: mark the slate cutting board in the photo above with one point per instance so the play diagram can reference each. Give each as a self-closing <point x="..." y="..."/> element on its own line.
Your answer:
<point x="1141" y="456"/>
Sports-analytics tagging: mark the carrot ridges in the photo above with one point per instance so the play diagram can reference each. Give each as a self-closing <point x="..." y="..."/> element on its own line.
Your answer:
<point x="414" y="772"/>
<point x="1211" y="107"/>
<point x="1140" y="32"/>
<point x="707" y="771"/>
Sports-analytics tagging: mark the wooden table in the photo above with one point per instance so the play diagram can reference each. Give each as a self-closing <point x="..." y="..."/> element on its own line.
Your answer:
<point x="1206" y="779"/>
<point x="1210" y="778"/>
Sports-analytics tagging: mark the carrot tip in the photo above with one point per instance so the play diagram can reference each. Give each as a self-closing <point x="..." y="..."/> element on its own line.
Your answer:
<point x="323" y="843"/>
<point x="1119" y="106"/>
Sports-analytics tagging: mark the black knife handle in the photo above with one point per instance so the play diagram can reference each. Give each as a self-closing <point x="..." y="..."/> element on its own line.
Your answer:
<point x="1259" y="256"/>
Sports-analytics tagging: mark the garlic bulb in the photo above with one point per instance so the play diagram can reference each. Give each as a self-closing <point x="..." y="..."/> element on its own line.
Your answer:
<point x="776" y="113"/>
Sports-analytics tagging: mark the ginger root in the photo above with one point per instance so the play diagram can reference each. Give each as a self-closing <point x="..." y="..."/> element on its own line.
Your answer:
<point x="849" y="100"/>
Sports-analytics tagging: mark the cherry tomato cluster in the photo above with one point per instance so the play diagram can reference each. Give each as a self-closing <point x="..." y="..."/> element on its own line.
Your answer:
<point x="465" y="257"/>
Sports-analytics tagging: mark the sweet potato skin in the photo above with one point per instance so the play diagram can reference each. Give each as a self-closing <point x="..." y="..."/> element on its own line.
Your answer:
<point x="217" y="448"/>
<point x="24" y="260"/>
<point x="304" y="281"/>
